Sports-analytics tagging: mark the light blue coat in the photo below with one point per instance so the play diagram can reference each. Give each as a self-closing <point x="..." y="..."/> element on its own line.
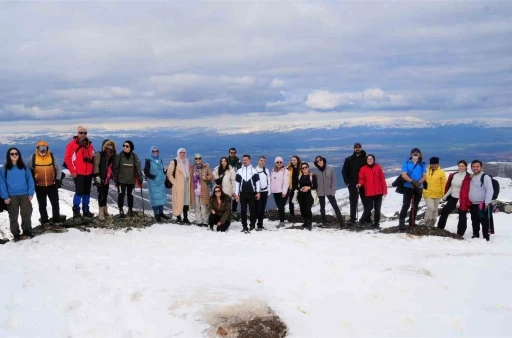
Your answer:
<point x="156" y="186"/>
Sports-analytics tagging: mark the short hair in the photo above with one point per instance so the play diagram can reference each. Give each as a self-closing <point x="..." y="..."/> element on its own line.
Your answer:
<point x="234" y="149"/>
<point x="463" y="162"/>
<point x="247" y="155"/>
<point x="477" y="161"/>
<point x="262" y="158"/>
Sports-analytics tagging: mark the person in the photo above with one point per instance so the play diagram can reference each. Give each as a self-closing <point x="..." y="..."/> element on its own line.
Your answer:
<point x="224" y="177"/>
<point x="180" y="186"/>
<point x="307" y="182"/>
<point x="247" y="191"/>
<point x="372" y="179"/>
<point x="350" y="173"/>
<point x="279" y="183"/>
<point x="414" y="174"/>
<point x="236" y="164"/>
<point x="293" y="174"/>
<point x="326" y="179"/>
<point x="78" y="159"/>
<point x="264" y="179"/>
<point x="434" y="190"/>
<point x="480" y="196"/>
<point x="103" y="173"/>
<point x="201" y="176"/>
<point x="128" y="173"/>
<point x="457" y="196"/>
<point x="17" y="189"/>
<point x="220" y="210"/>
<point x="155" y="176"/>
<point x="47" y="176"/>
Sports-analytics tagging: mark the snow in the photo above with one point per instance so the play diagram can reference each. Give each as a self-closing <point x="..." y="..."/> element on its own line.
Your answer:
<point x="168" y="280"/>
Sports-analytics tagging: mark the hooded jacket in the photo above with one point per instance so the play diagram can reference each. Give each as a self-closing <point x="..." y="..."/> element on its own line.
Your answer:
<point x="46" y="170"/>
<point x="373" y="180"/>
<point x="326" y="179"/>
<point x="351" y="166"/>
<point x="79" y="157"/>
<point x="103" y="165"/>
<point x="436" y="182"/>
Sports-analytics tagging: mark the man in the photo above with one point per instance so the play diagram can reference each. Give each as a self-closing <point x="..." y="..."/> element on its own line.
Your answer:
<point x="235" y="163"/>
<point x="247" y="191"/>
<point x="350" y="174"/>
<point x="480" y="196"/>
<point x="414" y="173"/>
<point x="264" y="178"/>
<point x="78" y="159"/>
<point x="47" y="177"/>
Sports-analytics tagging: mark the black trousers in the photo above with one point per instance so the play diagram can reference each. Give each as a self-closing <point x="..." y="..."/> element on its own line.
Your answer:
<point x="450" y="205"/>
<point x="214" y="219"/>
<point x="103" y="195"/>
<point x="353" y="196"/>
<point x="280" y="203"/>
<point x="261" y="205"/>
<point x="408" y="196"/>
<point x="248" y="199"/>
<point x="125" y="189"/>
<point x="83" y="184"/>
<point x="306" y="203"/>
<point x="480" y="217"/>
<point x="234" y="205"/>
<point x="53" y="195"/>
<point x="372" y="203"/>
<point x="334" y="205"/>
<point x="291" y="206"/>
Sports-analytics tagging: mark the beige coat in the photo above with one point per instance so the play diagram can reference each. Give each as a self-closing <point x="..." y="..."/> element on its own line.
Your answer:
<point x="205" y="194"/>
<point x="228" y="181"/>
<point x="178" y="188"/>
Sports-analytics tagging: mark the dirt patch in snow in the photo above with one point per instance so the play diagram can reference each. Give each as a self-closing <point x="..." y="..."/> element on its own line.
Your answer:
<point x="423" y="230"/>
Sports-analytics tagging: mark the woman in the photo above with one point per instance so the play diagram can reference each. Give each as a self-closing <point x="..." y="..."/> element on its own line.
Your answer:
<point x="457" y="195"/>
<point x="434" y="190"/>
<point x="293" y="172"/>
<point x="155" y="175"/>
<point x="279" y="183"/>
<point x="306" y="183"/>
<point x="327" y="187"/>
<point x="128" y="172"/>
<point x="371" y="177"/>
<point x="220" y="206"/>
<point x="17" y="189"/>
<point x="103" y="173"/>
<point x="180" y="186"/>
<point x="201" y="175"/>
<point x="224" y="177"/>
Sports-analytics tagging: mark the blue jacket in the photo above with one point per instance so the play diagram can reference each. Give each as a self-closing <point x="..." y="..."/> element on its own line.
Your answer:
<point x="19" y="182"/>
<point x="415" y="174"/>
<point x="156" y="182"/>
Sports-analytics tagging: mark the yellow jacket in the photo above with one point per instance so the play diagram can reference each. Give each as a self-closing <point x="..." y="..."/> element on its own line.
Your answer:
<point x="436" y="181"/>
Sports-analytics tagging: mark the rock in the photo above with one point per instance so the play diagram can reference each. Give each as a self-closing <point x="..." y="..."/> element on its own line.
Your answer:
<point x="507" y="209"/>
<point x="222" y="331"/>
<point x="423" y="230"/>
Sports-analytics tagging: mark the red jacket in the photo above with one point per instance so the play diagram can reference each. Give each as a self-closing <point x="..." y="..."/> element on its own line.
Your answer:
<point x="373" y="180"/>
<point x="76" y="157"/>
<point x="464" y="202"/>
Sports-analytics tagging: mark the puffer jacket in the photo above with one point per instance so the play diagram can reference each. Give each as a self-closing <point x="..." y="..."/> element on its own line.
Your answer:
<point x="79" y="157"/>
<point x="373" y="180"/>
<point x="103" y="165"/>
<point x="279" y="181"/>
<point x="436" y="182"/>
<point x="326" y="180"/>
<point x="45" y="169"/>
<point x="228" y="180"/>
<point x="225" y="207"/>
<point x="154" y="170"/>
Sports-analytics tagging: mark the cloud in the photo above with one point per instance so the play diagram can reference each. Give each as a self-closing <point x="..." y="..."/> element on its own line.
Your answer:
<point x="322" y="99"/>
<point x="277" y="83"/>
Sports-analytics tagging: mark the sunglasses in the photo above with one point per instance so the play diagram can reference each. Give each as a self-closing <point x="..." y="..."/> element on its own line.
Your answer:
<point x="279" y="162"/>
<point x="42" y="148"/>
<point x="82" y="132"/>
<point x="126" y="146"/>
<point x="217" y="191"/>
<point x="14" y="154"/>
<point x="197" y="158"/>
<point x="304" y="168"/>
<point x="154" y="151"/>
<point x="319" y="161"/>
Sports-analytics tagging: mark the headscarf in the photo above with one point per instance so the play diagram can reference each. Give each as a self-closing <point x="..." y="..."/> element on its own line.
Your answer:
<point x="151" y="153"/>
<point x="183" y="162"/>
<point x="372" y="156"/>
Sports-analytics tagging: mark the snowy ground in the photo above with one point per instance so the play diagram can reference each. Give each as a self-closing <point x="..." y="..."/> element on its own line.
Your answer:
<point x="163" y="281"/>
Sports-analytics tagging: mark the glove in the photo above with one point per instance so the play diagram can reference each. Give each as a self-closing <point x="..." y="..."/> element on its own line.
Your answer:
<point x="58" y="183"/>
<point x="138" y="183"/>
<point x="97" y="180"/>
<point x="416" y="184"/>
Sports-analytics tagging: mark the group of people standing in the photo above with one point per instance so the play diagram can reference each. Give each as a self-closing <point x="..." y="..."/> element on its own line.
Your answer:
<point x="234" y="182"/>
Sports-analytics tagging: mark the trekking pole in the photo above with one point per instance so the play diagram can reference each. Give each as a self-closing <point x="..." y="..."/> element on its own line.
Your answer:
<point x="489" y="230"/>
<point x="142" y="200"/>
<point x="357" y="205"/>
<point x="413" y="215"/>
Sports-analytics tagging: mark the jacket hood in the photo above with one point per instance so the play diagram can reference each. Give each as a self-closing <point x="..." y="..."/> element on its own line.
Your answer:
<point x="108" y="143"/>
<point x="42" y="143"/>
<point x="325" y="163"/>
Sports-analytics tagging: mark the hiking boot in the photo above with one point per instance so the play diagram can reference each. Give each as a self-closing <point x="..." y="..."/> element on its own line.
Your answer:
<point x="88" y="214"/>
<point x="261" y="228"/>
<point x="76" y="211"/>
<point x="101" y="214"/>
<point x="487" y="238"/>
<point x="158" y="219"/>
<point x="121" y="214"/>
<point x="376" y="226"/>
<point x="401" y="224"/>
<point x="199" y="224"/>
<point x="105" y="211"/>
<point x="245" y="230"/>
<point x="178" y="219"/>
<point x="164" y="216"/>
<point x="130" y="213"/>
<point x="251" y="227"/>
<point x="280" y="225"/>
<point x="28" y="234"/>
<point x="186" y="221"/>
<point x="351" y="222"/>
<point x="17" y="238"/>
<point x="475" y="236"/>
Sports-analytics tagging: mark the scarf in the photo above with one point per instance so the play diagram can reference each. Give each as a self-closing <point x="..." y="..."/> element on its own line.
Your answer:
<point x="183" y="163"/>
<point x="153" y="156"/>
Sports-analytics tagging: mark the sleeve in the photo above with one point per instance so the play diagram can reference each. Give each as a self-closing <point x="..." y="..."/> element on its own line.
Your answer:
<point x="286" y="183"/>
<point x="238" y="180"/>
<point x="226" y="213"/>
<point x="3" y="186"/>
<point x="31" y="185"/>
<point x="147" y="168"/>
<point x="256" y="180"/>
<point x="448" y="185"/>
<point x="345" y="171"/>
<point x="68" y="157"/>
<point x="58" y="169"/>
<point x="334" y="181"/>
<point x="361" y="177"/>
<point x="170" y="170"/>
<point x="117" y="161"/>
<point x="384" y="184"/>
<point x="232" y="179"/>
<point x="138" y="167"/>
<point x="97" y="158"/>
<point x="488" y="189"/>
<point x="30" y="162"/>
<point x="215" y="173"/>
<point x="209" y="175"/>
<point x="210" y="206"/>
<point x="443" y="179"/>
<point x="314" y="183"/>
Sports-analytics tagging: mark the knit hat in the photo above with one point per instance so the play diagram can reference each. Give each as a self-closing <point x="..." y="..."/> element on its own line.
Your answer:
<point x="434" y="160"/>
<point x="132" y="147"/>
<point x="278" y="159"/>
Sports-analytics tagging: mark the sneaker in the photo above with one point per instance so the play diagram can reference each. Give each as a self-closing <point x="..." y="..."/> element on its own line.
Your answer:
<point x="245" y="230"/>
<point x="260" y="228"/>
<point x="164" y="216"/>
<point x="17" y="238"/>
<point x="475" y="236"/>
<point x="158" y="219"/>
<point x="186" y="221"/>
<point x="178" y="219"/>
<point x="199" y="224"/>
<point x="121" y="214"/>
<point x="28" y="234"/>
<point x="251" y="227"/>
<point x="280" y="225"/>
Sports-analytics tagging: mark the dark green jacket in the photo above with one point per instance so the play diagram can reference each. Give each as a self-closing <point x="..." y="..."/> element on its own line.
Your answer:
<point x="126" y="169"/>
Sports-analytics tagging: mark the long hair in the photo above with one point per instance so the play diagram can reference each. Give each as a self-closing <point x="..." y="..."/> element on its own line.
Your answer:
<point x="290" y="166"/>
<point x="8" y="162"/>
<point x="221" y="168"/>
<point x="223" y="196"/>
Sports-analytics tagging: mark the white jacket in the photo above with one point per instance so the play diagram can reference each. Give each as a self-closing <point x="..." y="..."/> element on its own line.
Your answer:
<point x="228" y="180"/>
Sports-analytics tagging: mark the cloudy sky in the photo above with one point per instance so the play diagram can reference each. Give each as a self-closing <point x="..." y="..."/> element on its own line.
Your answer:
<point x="192" y="62"/>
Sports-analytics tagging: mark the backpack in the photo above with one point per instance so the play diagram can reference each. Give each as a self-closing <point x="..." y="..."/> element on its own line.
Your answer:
<point x="62" y="175"/>
<point x="495" y="186"/>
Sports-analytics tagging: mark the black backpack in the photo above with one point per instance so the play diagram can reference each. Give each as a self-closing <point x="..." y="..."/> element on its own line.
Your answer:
<point x="495" y="186"/>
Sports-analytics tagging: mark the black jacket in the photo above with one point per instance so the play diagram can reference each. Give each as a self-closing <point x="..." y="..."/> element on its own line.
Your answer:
<point x="351" y="167"/>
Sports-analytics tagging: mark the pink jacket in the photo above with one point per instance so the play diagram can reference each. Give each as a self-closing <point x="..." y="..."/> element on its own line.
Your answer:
<point x="279" y="181"/>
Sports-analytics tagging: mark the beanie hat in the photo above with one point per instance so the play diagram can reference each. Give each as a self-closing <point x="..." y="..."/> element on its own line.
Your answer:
<point x="434" y="160"/>
<point x="278" y="159"/>
<point x="132" y="147"/>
